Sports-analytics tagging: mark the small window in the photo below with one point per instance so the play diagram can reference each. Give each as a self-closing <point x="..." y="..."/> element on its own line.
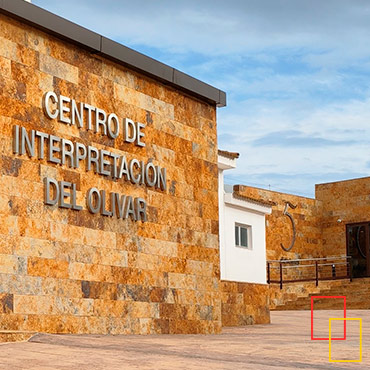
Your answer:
<point x="243" y="236"/>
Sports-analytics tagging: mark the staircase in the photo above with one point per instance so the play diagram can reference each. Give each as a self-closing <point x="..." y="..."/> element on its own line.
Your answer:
<point x="297" y="296"/>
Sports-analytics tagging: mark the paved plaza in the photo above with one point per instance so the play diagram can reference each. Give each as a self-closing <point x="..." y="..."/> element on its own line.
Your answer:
<point x="285" y="344"/>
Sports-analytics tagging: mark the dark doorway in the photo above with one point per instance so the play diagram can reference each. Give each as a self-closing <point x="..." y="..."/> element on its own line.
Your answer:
<point x="358" y="240"/>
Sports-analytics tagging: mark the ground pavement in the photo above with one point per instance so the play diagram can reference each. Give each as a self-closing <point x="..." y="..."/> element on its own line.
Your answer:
<point x="285" y="344"/>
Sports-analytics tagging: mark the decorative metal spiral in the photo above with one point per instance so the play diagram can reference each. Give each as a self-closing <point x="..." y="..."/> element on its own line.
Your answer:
<point x="358" y="241"/>
<point x="286" y="213"/>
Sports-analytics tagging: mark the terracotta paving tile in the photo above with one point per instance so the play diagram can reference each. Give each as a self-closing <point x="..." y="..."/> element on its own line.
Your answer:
<point x="285" y="344"/>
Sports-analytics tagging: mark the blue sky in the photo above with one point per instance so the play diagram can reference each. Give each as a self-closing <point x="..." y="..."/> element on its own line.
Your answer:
<point x="296" y="74"/>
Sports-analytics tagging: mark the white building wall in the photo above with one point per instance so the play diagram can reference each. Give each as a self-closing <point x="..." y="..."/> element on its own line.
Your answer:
<point x="221" y="223"/>
<point x="240" y="263"/>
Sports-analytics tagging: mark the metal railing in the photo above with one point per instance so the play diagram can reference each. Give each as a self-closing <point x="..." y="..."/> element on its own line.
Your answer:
<point x="309" y="269"/>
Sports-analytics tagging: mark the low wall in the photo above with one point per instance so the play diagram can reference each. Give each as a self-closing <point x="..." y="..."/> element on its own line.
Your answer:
<point x="244" y="303"/>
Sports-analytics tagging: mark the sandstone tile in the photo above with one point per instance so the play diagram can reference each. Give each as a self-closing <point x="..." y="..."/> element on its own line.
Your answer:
<point x="181" y="281"/>
<point x="199" y="268"/>
<point x="71" y="323"/>
<point x="118" y="75"/>
<point x="147" y="261"/>
<point x="19" y="206"/>
<point x="75" y="235"/>
<point x="7" y="244"/>
<point x="27" y="56"/>
<point x="144" y="309"/>
<point x="36" y="41"/>
<point x="74" y="306"/>
<point x="33" y="228"/>
<point x="9" y="225"/>
<point x="58" y="68"/>
<point x="5" y="67"/>
<point x="154" y="278"/>
<point x="143" y="101"/>
<point x="61" y="287"/>
<point x="9" y="321"/>
<point x="47" y="267"/>
<point x="159" y="248"/>
<point x="116" y="326"/>
<point x="9" y="264"/>
<point x="19" y="284"/>
<point x="91" y="272"/>
<point x="72" y="55"/>
<point x="98" y="290"/>
<point x="109" y="308"/>
<point x="6" y="128"/>
<point x="80" y="253"/>
<point x="6" y="303"/>
<point x="159" y="295"/>
<point x="58" y="231"/>
<point x="13" y="89"/>
<point x="131" y="292"/>
<point x="8" y="49"/>
<point x="35" y="305"/>
<point x="161" y="326"/>
<point x="12" y="29"/>
<point x="84" y="219"/>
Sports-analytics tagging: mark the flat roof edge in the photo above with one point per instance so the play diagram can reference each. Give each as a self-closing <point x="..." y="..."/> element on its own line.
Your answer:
<point x="72" y="32"/>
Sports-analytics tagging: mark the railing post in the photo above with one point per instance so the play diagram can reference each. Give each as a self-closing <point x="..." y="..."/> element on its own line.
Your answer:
<point x="333" y="271"/>
<point x="281" y="275"/>
<point x="323" y="263"/>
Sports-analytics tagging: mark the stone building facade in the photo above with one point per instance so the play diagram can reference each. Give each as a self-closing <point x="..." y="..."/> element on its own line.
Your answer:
<point x="308" y="222"/>
<point x="335" y="223"/>
<point x="109" y="191"/>
<point x="70" y="266"/>
<point x="320" y="221"/>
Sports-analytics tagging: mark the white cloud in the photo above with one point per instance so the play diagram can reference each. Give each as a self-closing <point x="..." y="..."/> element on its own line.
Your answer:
<point x="221" y="28"/>
<point x="348" y="124"/>
<point x="286" y="65"/>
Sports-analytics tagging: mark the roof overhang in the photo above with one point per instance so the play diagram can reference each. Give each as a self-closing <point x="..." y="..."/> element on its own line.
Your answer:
<point x="249" y="205"/>
<point x="227" y="160"/>
<point x="225" y="163"/>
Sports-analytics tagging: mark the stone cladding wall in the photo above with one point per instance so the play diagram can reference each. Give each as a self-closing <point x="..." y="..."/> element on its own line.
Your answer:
<point x="319" y="234"/>
<point x="308" y="220"/>
<point x="347" y="201"/>
<point x="64" y="271"/>
<point x="244" y="304"/>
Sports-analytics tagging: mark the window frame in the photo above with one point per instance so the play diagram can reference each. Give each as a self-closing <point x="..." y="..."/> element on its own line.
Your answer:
<point x="237" y="237"/>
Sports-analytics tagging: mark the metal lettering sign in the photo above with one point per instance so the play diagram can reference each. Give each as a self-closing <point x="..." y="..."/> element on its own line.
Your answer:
<point x="102" y="162"/>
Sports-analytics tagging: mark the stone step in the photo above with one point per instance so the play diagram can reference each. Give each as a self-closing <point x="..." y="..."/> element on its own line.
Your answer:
<point x="15" y="336"/>
<point x="295" y="297"/>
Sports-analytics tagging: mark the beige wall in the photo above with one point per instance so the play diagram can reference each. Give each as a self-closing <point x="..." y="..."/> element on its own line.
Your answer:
<point x="72" y="271"/>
